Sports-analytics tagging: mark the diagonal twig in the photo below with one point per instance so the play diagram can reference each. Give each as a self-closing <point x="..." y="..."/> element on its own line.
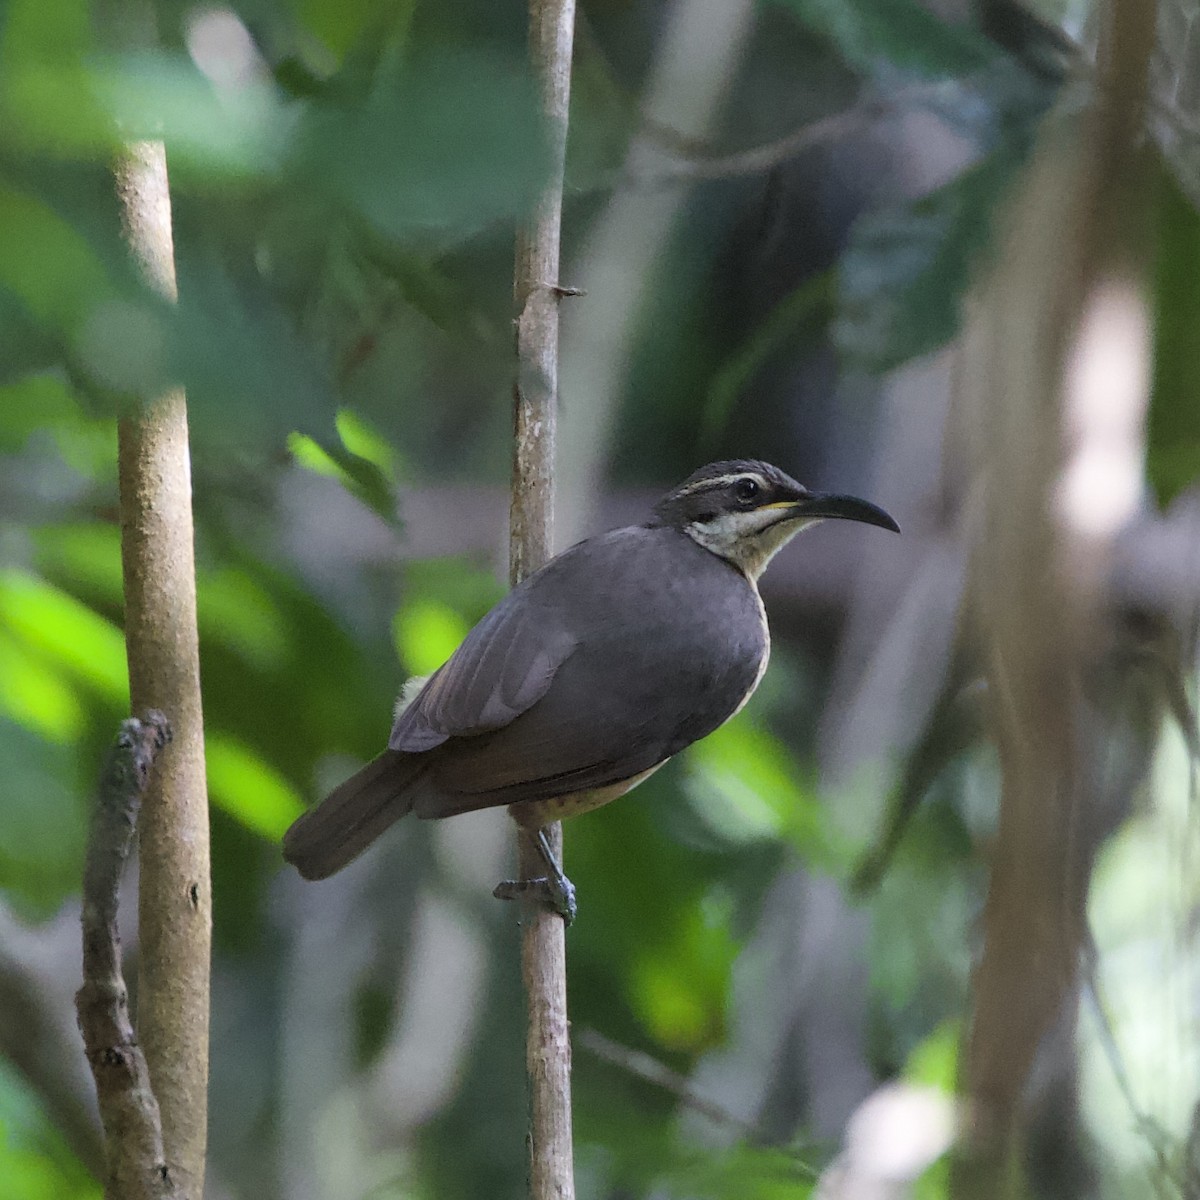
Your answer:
<point x="136" y="1168"/>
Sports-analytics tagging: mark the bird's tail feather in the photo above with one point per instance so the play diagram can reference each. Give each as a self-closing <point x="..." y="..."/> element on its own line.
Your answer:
<point x="352" y="816"/>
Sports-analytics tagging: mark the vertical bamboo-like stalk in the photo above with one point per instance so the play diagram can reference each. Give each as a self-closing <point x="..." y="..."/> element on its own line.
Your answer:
<point x="175" y="916"/>
<point x="535" y="401"/>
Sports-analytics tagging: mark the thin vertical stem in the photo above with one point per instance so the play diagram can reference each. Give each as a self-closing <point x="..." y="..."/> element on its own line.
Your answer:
<point x="535" y="402"/>
<point x="162" y="646"/>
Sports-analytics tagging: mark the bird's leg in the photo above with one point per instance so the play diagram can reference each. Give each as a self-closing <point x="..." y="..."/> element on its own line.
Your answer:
<point x="553" y="889"/>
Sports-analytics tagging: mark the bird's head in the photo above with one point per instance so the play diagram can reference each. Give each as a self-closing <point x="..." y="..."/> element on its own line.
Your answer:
<point x="745" y="511"/>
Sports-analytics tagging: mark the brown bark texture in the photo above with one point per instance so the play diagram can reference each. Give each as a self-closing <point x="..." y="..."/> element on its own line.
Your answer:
<point x="135" y="1167"/>
<point x="535" y="404"/>
<point x="162" y="646"/>
<point x="1070" y="237"/>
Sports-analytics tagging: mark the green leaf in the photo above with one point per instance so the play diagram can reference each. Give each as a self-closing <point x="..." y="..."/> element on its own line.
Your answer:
<point x="68" y="634"/>
<point x="45" y="99"/>
<point x="678" y="990"/>
<point x="234" y="609"/>
<point x="41" y="834"/>
<point x="901" y="33"/>
<point x="251" y="376"/>
<point x="444" y="145"/>
<point x="45" y="406"/>
<point x="905" y="270"/>
<point x="426" y="633"/>
<point x="1173" y="426"/>
<point x="449" y="304"/>
<point x="744" y="1171"/>
<point x="33" y="404"/>
<point x="365" y="442"/>
<point x="742" y="784"/>
<point x="35" y="1161"/>
<point x="360" y="476"/>
<point x="47" y="264"/>
<point x="313" y="457"/>
<point x="25" y="345"/>
<point x="36" y="695"/>
<point x="247" y="788"/>
<point x="933" y="1062"/>
<point x="340" y="26"/>
<point x="88" y="556"/>
<point x="211" y="141"/>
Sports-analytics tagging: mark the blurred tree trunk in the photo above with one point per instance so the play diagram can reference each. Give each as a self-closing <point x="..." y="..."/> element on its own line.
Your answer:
<point x="175" y="915"/>
<point x="1057" y="331"/>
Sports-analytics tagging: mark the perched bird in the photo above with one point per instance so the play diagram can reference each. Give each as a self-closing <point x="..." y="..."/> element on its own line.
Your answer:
<point x="590" y="674"/>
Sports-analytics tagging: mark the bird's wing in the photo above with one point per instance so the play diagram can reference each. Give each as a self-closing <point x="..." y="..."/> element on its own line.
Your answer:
<point x="614" y="711"/>
<point x="503" y="668"/>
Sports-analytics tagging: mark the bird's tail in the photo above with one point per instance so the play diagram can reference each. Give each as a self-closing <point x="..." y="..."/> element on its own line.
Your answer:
<point x="353" y="815"/>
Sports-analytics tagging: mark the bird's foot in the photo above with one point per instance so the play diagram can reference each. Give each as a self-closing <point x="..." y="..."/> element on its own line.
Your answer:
<point x="556" y="895"/>
<point x="553" y="890"/>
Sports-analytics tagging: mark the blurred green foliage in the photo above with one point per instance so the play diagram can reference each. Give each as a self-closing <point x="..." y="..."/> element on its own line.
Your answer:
<point x="891" y="35"/>
<point x="1173" y="428"/>
<point x="345" y="179"/>
<point x="35" y="1162"/>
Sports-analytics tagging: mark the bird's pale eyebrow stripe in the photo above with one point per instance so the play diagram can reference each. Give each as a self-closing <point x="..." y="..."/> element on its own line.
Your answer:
<point x="704" y="485"/>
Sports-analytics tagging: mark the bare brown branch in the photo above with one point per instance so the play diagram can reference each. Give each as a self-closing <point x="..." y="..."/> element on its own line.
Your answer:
<point x="1065" y="268"/>
<point x="136" y="1168"/>
<point x="644" y="1066"/>
<point x="535" y="404"/>
<point x="162" y="647"/>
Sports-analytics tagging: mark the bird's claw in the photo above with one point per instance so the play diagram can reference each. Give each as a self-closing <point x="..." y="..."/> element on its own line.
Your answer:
<point x="557" y="893"/>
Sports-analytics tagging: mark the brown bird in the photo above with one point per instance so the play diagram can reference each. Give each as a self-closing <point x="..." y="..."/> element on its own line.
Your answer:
<point x="590" y="674"/>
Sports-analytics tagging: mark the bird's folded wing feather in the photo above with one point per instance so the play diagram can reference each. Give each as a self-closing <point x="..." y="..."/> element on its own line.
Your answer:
<point x="502" y="669"/>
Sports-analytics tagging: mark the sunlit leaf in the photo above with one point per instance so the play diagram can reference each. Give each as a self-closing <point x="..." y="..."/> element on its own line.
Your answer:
<point x="359" y="476"/>
<point x="247" y="788"/>
<point x="743" y="785"/>
<point x="369" y="482"/>
<point x="364" y="442"/>
<point x="426" y="633"/>
<point x="934" y="1061"/>
<point x="76" y="639"/>
<point x="679" y="991"/>
<point x="313" y="457"/>
<point x="35" y="695"/>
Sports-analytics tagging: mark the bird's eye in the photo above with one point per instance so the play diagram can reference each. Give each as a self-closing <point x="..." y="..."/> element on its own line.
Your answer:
<point x="745" y="491"/>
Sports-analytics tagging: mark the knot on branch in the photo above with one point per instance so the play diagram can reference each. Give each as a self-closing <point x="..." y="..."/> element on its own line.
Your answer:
<point x="112" y="1056"/>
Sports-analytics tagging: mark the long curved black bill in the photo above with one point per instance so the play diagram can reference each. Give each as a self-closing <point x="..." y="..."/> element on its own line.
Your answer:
<point x="845" y="508"/>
